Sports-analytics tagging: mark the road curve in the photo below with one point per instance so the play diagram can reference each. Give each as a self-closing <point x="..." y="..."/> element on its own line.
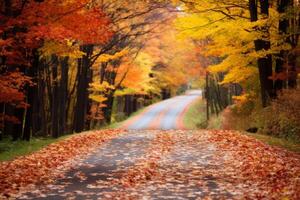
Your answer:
<point x="165" y="115"/>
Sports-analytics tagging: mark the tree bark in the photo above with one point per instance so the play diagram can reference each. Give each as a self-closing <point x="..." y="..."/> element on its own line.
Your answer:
<point x="55" y="99"/>
<point x="84" y="79"/>
<point x="265" y="63"/>
<point x="207" y="95"/>
<point x="32" y="97"/>
<point x="41" y="113"/>
<point x="292" y="71"/>
<point x="63" y="94"/>
<point x="283" y="28"/>
<point x="128" y="105"/>
<point x="107" y="111"/>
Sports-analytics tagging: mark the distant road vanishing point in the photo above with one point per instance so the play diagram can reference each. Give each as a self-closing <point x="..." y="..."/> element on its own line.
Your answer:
<point x="165" y="115"/>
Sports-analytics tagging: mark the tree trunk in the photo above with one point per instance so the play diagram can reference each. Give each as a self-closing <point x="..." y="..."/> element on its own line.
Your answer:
<point x="32" y="98"/>
<point x="63" y="94"/>
<point x="84" y="79"/>
<point x="128" y="105"/>
<point x="293" y="40"/>
<point x="264" y="64"/>
<point x="55" y="99"/>
<point x="55" y="111"/>
<point x="283" y="28"/>
<point x="107" y="111"/>
<point x="8" y="126"/>
<point x="292" y="71"/>
<point x="18" y="128"/>
<point x="7" y="7"/>
<point x="207" y="95"/>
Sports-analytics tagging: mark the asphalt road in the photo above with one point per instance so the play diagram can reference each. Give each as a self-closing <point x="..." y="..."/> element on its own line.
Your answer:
<point x="165" y="115"/>
<point x="177" y="174"/>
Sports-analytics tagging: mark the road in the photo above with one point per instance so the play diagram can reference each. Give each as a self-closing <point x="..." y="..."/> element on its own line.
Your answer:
<point x="165" y="115"/>
<point x="145" y="164"/>
<point x="176" y="164"/>
<point x="179" y="165"/>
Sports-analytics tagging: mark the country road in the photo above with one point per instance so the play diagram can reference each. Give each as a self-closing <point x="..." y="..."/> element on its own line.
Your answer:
<point x="159" y="164"/>
<point x="165" y="115"/>
<point x="179" y="165"/>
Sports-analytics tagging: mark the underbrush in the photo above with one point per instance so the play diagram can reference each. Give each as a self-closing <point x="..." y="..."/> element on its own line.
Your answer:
<point x="280" y="119"/>
<point x="277" y="124"/>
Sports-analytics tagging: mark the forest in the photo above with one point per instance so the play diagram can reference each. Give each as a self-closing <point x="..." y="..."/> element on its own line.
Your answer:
<point x="64" y="64"/>
<point x="73" y="66"/>
<point x="76" y="65"/>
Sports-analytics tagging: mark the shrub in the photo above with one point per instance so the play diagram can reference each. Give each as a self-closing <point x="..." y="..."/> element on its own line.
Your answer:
<point x="282" y="118"/>
<point x="244" y="104"/>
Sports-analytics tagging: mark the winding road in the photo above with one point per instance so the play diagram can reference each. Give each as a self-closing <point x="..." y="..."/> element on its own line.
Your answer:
<point x="165" y="115"/>
<point x="174" y="164"/>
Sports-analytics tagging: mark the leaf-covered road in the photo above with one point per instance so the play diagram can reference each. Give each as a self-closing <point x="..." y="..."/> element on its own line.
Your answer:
<point x="179" y="165"/>
<point x="164" y="115"/>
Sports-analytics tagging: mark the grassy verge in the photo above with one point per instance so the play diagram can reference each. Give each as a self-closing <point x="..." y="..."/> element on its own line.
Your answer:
<point x="195" y="117"/>
<point x="10" y="150"/>
<point x="215" y="122"/>
<point x="115" y="125"/>
<point x="278" y="142"/>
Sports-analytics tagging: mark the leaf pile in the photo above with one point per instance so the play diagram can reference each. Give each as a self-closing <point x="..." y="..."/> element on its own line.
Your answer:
<point x="211" y="165"/>
<point x="170" y="165"/>
<point x="146" y="168"/>
<point x="272" y="172"/>
<point x="47" y="164"/>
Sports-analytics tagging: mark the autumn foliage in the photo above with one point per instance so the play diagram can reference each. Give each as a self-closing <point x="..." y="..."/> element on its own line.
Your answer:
<point x="68" y="66"/>
<point x="65" y="63"/>
<point x="28" y="26"/>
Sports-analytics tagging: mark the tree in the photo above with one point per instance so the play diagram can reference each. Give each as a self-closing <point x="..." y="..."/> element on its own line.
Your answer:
<point x="132" y="23"/>
<point x="263" y="44"/>
<point x="63" y="24"/>
<point x="258" y="43"/>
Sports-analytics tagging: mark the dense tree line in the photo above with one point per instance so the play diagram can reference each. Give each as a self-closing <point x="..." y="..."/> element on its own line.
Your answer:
<point x="256" y="42"/>
<point x="51" y="53"/>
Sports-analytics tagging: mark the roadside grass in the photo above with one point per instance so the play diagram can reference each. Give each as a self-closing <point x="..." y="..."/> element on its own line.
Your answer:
<point x="10" y="150"/>
<point x="195" y="117"/>
<point x="278" y="142"/>
<point x="118" y="124"/>
<point x="215" y="122"/>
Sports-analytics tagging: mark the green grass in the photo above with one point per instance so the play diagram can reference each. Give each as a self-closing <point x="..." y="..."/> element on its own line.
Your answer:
<point x="215" y="122"/>
<point x="10" y="150"/>
<point x="195" y="117"/>
<point x="115" y="125"/>
<point x="278" y="142"/>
